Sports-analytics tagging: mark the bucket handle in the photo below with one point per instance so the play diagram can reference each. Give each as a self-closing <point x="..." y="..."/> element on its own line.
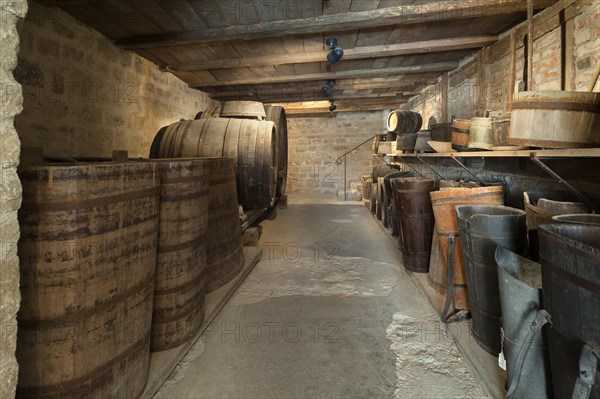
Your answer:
<point x="542" y="318"/>
<point x="588" y="367"/>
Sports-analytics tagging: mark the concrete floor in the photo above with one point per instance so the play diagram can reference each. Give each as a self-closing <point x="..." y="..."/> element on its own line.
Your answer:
<point x="327" y="313"/>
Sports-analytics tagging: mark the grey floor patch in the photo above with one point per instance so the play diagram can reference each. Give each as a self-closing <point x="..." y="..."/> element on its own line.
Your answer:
<point x="428" y="363"/>
<point x="334" y="276"/>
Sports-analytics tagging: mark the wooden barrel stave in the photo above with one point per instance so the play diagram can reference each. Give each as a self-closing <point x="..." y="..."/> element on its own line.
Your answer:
<point x="87" y="253"/>
<point x="277" y="115"/>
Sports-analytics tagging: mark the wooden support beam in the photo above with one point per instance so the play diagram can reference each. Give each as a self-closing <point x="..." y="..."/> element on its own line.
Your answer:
<point x="275" y="98"/>
<point x="437" y="67"/>
<point x="389" y="50"/>
<point x="400" y="15"/>
<point x="342" y="108"/>
<point x="512" y="69"/>
<point x="445" y="87"/>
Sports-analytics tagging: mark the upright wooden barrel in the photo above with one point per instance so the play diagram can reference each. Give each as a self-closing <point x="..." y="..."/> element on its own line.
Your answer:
<point x="276" y="115"/>
<point x="87" y="259"/>
<point x="180" y="283"/>
<point x="251" y="143"/>
<point x="212" y="112"/>
<point x="224" y="250"/>
<point x="243" y="109"/>
<point x="404" y="122"/>
<point x="413" y="204"/>
<point x="444" y="202"/>
<point x="460" y="134"/>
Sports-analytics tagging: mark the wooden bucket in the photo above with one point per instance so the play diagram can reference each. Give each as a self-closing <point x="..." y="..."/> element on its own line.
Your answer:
<point x="501" y="130"/>
<point x="444" y="202"/>
<point x="224" y="250"/>
<point x="87" y="259"/>
<point x="213" y="112"/>
<point x="243" y="109"/>
<point x="276" y="115"/>
<point x="180" y="282"/>
<point x="460" y="134"/>
<point x="413" y="204"/>
<point x="441" y="132"/>
<point x="404" y="122"/>
<point x="251" y="143"/>
<point x="558" y="119"/>
<point x="481" y="135"/>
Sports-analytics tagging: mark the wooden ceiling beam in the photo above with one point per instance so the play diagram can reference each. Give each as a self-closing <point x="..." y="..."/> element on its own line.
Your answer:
<point x="388" y="50"/>
<point x="435" y="67"/>
<point x="343" y="108"/>
<point x="400" y="15"/>
<point x="307" y="96"/>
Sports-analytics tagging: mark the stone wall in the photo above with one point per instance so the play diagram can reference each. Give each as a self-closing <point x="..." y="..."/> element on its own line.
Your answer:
<point x="86" y="97"/>
<point x="10" y="193"/>
<point x="316" y="142"/>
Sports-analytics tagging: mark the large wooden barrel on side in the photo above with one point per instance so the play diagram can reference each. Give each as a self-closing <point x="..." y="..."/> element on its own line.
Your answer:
<point x="87" y="259"/>
<point x="404" y="122"/>
<point x="444" y="202"/>
<point x="252" y="144"/>
<point x="276" y="115"/>
<point x="180" y="283"/>
<point x="559" y="119"/>
<point x="243" y="109"/>
<point x="212" y="112"/>
<point x="224" y="250"/>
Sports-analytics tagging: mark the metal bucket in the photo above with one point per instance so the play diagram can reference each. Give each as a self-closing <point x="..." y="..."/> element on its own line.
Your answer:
<point x="391" y="216"/>
<point x="586" y="218"/>
<point x="413" y="205"/>
<point x="482" y="228"/>
<point x="520" y="284"/>
<point x="570" y="258"/>
<point x="443" y="203"/>
<point x="541" y="206"/>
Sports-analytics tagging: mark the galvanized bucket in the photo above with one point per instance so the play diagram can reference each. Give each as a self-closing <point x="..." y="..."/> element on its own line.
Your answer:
<point x="570" y="258"/>
<point x="520" y="284"/>
<point x="482" y="228"/>
<point x="585" y="218"/>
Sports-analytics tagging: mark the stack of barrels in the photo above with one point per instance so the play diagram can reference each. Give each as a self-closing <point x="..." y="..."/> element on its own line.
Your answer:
<point x="253" y="135"/>
<point x="485" y="270"/>
<point x="116" y="259"/>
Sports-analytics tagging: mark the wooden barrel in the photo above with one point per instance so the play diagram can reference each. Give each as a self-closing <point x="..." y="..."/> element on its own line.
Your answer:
<point x="404" y="122"/>
<point x="212" y="112"/>
<point x="481" y="134"/>
<point x="558" y="119"/>
<point x="373" y="204"/>
<point x="460" y="134"/>
<point x="444" y="202"/>
<point x="180" y="282"/>
<point x="413" y="204"/>
<point x="243" y="109"/>
<point x="87" y="259"/>
<point x="276" y="115"/>
<point x="224" y="250"/>
<point x="251" y="143"/>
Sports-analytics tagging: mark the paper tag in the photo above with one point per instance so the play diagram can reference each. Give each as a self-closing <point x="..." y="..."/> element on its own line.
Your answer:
<point x="502" y="361"/>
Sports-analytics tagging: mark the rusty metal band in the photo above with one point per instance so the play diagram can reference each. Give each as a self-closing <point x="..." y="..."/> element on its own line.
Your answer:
<point x="89" y="203"/>
<point x="222" y="215"/>
<point x="184" y="179"/>
<point x="178" y="316"/>
<point x="573" y="278"/>
<point x="179" y="342"/>
<point x="170" y="195"/>
<point x="76" y="384"/>
<point x="162" y="249"/>
<point x="174" y="290"/>
<point x="229" y="257"/>
<point x="30" y="324"/>
<point x="587" y="107"/>
<point x="222" y="180"/>
<point x="457" y="130"/>
<point x="447" y="234"/>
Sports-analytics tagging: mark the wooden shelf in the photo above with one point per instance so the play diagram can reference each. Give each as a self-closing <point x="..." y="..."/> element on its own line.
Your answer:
<point x="560" y="153"/>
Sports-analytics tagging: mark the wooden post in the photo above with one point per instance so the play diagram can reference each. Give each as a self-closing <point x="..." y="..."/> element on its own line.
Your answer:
<point x="530" y="45"/>
<point x="512" y="66"/>
<point x="445" y="83"/>
<point x="482" y="83"/>
<point x="569" y="54"/>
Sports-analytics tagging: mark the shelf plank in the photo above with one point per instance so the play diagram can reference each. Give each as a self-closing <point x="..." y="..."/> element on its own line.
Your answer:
<point x="557" y="153"/>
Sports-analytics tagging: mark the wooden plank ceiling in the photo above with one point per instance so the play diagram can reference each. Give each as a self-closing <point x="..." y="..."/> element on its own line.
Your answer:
<point x="274" y="50"/>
